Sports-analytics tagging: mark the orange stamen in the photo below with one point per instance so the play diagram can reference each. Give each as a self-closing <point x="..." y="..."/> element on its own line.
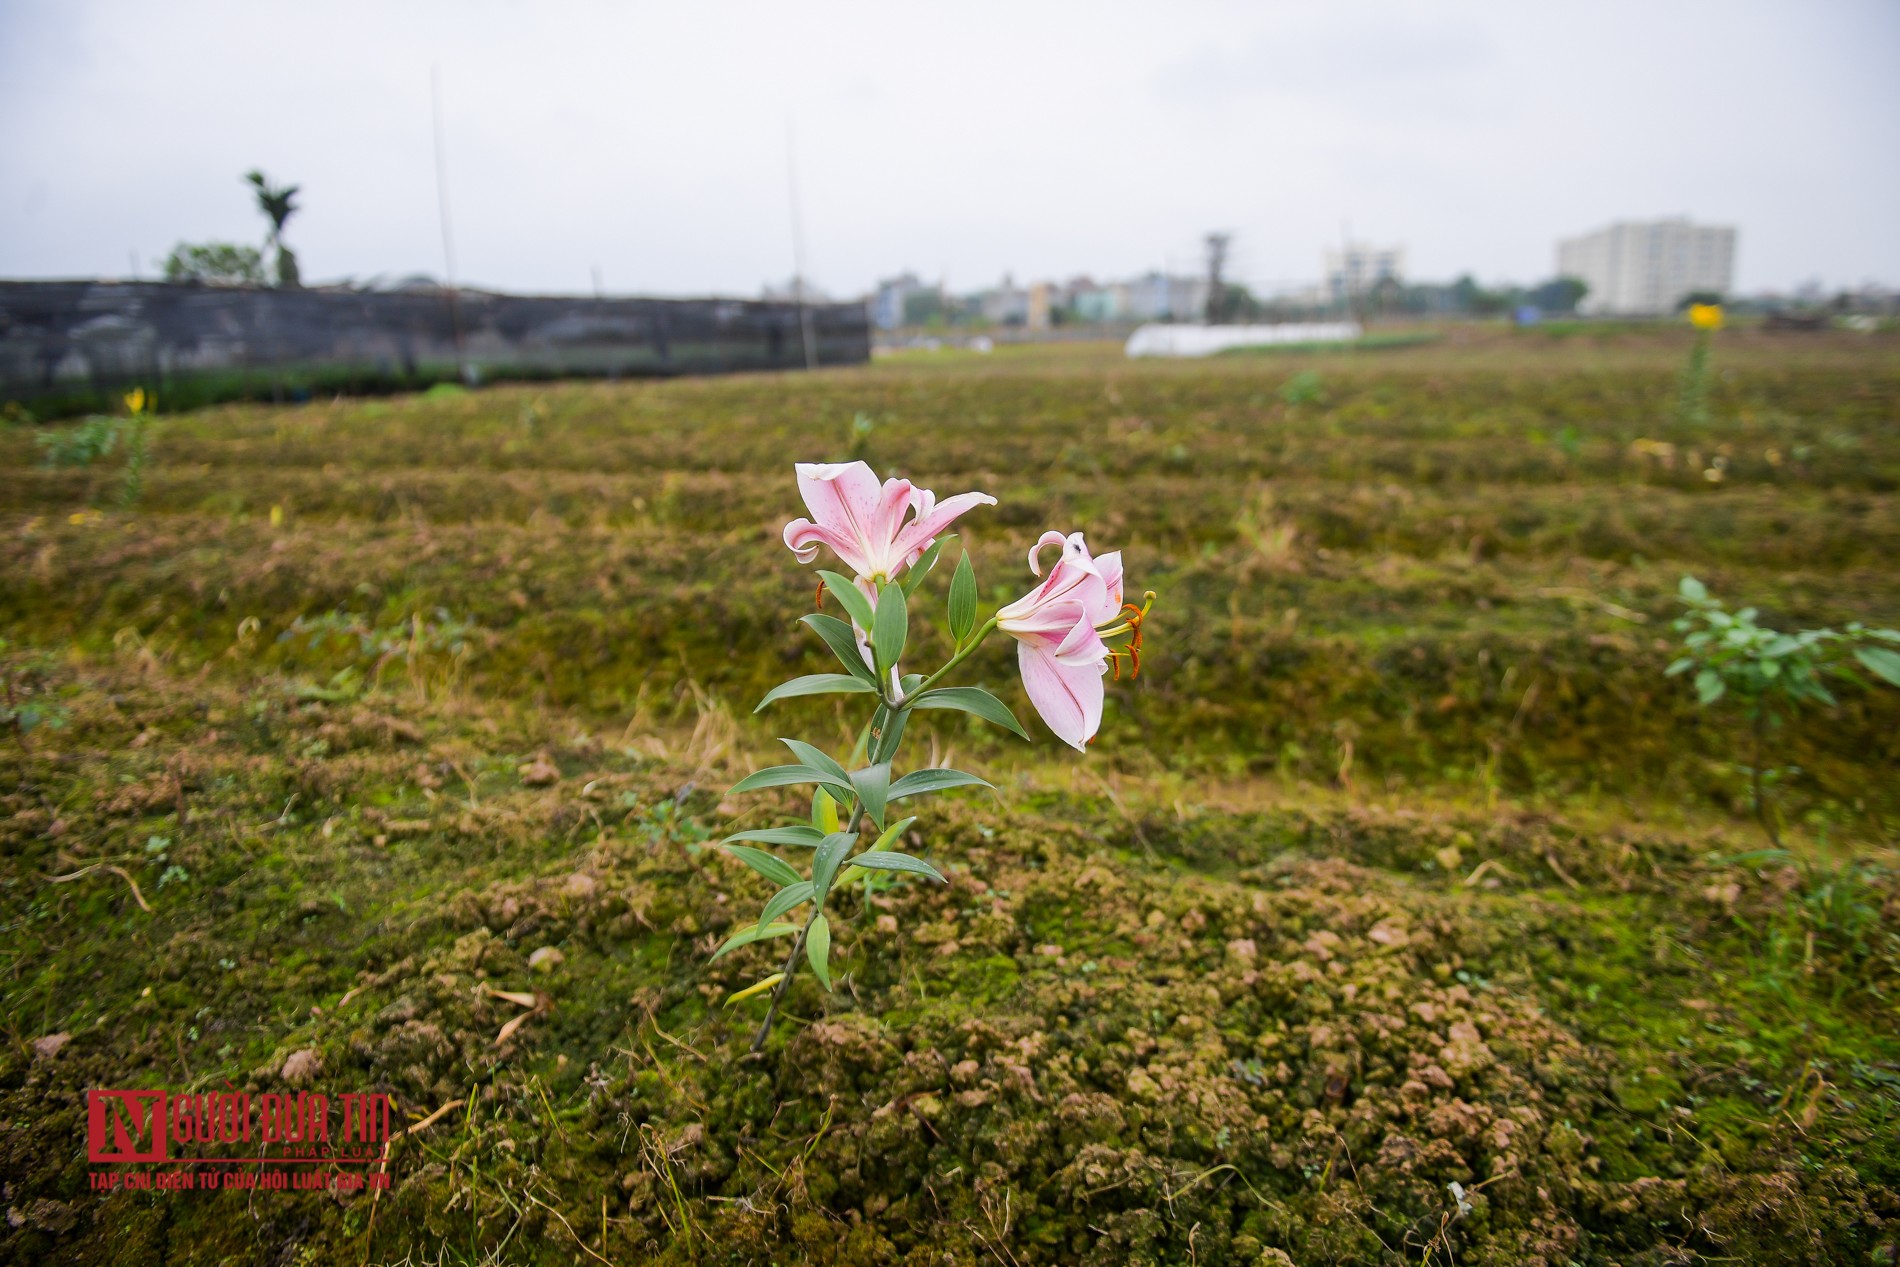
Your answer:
<point x="1130" y="619"/>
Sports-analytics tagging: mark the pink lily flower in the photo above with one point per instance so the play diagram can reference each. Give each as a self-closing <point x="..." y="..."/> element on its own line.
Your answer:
<point x="1057" y="627"/>
<point x="865" y="523"/>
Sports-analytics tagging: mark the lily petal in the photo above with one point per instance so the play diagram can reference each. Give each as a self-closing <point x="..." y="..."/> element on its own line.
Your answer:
<point x="1067" y="697"/>
<point x="1075" y="578"/>
<point x="1081" y="645"/>
<point x="844" y="497"/>
<point x="804" y="537"/>
<point x="893" y="505"/>
<point x="1049" y="538"/>
<point x="1110" y="566"/>
<point x="921" y="531"/>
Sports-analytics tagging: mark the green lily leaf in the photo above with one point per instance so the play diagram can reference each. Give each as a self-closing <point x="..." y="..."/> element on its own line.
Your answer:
<point x="824" y="863"/>
<point x="818" y="759"/>
<point x="925" y="561"/>
<point x="874" y="786"/>
<point x="887" y="732"/>
<point x="879" y="860"/>
<point x="843" y="644"/>
<point x="963" y="599"/>
<point x="788" y="776"/>
<point x="818" y="684"/>
<point x="918" y="782"/>
<point x="974" y="700"/>
<point x="818" y="949"/>
<point x="800" y="835"/>
<point x="751" y="933"/>
<point x="824" y="812"/>
<point x="889" y="630"/>
<point x="771" y="866"/>
<point x="786" y="898"/>
<point x="849" y="597"/>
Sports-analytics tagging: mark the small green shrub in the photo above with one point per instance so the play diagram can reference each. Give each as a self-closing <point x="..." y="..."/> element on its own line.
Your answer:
<point x="1770" y="674"/>
<point x="99" y="435"/>
<point x="1302" y="389"/>
<point x="25" y="701"/>
<point x="81" y="445"/>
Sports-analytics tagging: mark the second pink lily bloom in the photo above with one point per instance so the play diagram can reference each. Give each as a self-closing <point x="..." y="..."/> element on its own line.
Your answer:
<point x="1057" y="625"/>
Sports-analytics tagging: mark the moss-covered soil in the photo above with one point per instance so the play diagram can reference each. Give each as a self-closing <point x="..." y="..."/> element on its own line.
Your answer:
<point x="1401" y="913"/>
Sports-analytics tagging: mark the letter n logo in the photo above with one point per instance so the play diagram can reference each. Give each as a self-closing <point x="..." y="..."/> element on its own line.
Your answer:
<point x="125" y="1126"/>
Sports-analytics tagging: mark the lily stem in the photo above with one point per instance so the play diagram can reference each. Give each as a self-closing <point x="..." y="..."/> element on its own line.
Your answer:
<point x="963" y="653"/>
<point x="857" y="821"/>
<point x="791" y="960"/>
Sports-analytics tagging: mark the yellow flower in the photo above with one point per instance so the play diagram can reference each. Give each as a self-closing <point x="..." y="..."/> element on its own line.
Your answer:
<point x="135" y="400"/>
<point x="1705" y="316"/>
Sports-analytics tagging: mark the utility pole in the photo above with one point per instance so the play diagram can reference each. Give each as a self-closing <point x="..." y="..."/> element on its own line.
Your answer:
<point x="442" y="203"/>
<point x="1217" y="244"/>
<point x="798" y="247"/>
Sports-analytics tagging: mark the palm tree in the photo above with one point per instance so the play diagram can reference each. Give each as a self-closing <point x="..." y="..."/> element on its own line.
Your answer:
<point x="279" y="205"/>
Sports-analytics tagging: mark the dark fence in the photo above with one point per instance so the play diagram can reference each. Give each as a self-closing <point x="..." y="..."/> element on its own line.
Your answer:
<point x="68" y="345"/>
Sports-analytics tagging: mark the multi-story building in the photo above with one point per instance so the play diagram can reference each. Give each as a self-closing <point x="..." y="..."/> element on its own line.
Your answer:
<point x="1159" y="297"/>
<point x="1006" y="305"/>
<point x="1646" y="268"/>
<point x="1092" y="303"/>
<point x="1044" y="298"/>
<point x="1359" y="270"/>
<point x="893" y="294"/>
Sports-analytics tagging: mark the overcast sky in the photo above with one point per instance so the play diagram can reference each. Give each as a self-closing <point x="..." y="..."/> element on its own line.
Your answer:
<point x="960" y="140"/>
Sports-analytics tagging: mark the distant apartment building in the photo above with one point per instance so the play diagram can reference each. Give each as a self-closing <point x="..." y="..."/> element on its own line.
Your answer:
<point x="888" y="303"/>
<point x="1159" y="297"/>
<point x="1044" y="298"/>
<point x="1645" y="268"/>
<point x="1155" y="296"/>
<point x="1359" y="270"/>
<point x="1091" y="303"/>
<point x="1006" y="305"/>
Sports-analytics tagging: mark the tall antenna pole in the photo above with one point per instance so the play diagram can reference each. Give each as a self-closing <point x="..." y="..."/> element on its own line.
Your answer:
<point x="798" y="246"/>
<point x="442" y="203"/>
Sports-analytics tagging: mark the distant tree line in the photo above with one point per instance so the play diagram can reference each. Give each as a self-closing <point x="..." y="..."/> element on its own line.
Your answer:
<point x="1466" y="297"/>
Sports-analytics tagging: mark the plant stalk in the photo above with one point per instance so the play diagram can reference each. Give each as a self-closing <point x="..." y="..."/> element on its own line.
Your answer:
<point x="857" y="821"/>
<point x="791" y="960"/>
<point x="963" y="653"/>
